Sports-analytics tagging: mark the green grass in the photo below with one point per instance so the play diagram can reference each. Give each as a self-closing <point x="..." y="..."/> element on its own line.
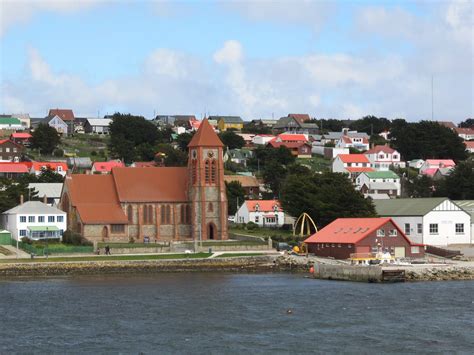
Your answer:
<point x="316" y="163"/>
<point x="261" y="232"/>
<point x="110" y="257"/>
<point x="230" y="255"/>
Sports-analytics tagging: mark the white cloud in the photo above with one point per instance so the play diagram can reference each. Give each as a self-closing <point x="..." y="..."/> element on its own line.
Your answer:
<point x="19" y="12"/>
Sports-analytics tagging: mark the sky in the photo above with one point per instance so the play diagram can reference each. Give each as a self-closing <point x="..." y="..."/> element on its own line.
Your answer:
<point x="256" y="59"/>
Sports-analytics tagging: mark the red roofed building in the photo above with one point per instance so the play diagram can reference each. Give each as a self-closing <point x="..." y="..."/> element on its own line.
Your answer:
<point x="351" y="141"/>
<point x="22" y="138"/>
<point x="155" y="204"/>
<point x="352" y="164"/>
<point x="265" y="213"/>
<point x="297" y="143"/>
<point x="469" y="146"/>
<point x="105" y="167"/>
<point x="382" y="157"/>
<point x="466" y="134"/>
<point x="354" y="237"/>
<point x="64" y="114"/>
<point x="430" y="166"/>
<point x="13" y="170"/>
<point x="58" y="167"/>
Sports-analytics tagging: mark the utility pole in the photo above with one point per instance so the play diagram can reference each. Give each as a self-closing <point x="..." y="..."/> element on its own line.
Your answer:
<point x="432" y="98"/>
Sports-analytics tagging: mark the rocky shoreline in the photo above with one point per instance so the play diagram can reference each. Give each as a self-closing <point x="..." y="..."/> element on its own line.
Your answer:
<point x="263" y="263"/>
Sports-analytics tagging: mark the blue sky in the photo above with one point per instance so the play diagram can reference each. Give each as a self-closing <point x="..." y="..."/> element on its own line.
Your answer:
<point x="341" y="59"/>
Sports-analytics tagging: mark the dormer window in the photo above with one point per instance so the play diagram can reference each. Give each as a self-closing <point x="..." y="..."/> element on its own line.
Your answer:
<point x="257" y="208"/>
<point x="275" y="208"/>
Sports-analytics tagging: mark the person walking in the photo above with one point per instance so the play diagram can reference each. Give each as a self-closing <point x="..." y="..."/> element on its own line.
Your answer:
<point x="107" y="250"/>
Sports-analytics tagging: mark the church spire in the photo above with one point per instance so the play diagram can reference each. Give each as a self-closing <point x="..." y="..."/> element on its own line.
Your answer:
<point x="205" y="136"/>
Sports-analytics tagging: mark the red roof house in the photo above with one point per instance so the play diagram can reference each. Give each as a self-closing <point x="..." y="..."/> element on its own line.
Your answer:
<point x="59" y="167"/>
<point x="13" y="170"/>
<point x="105" y="167"/>
<point x="20" y="138"/>
<point x="353" y="164"/>
<point x="64" y="114"/>
<point x="349" y="237"/>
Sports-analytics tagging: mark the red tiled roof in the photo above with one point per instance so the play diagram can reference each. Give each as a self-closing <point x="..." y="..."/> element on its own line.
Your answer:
<point x="205" y="136"/>
<point x="20" y="135"/>
<point x="64" y="114"/>
<point x="164" y="184"/>
<point x="289" y="145"/>
<point x="469" y="144"/>
<point x="37" y="165"/>
<point x="263" y="205"/>
<point x="429" y="171"/>
<point x="13" y="168"/>
<point x="445" y="162"/>
<point x="350" y="230"/>
<point x="465" y="130"/>
<point x="288" y="137"/>
<point x="106" y="166"/>
<point x="359" y="169"/>
<point x="300" y="117"/>
<point x="353" y="158"/>
<point x="380" y="148"/>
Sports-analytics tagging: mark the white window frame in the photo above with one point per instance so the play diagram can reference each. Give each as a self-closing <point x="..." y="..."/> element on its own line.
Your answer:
<point x="407" y="230"/>
<point x="434" y="226"/>
<point x="392" y="233"/>
<point x="461" y="228"/>
<point x="419" y="228"/>
<point x="380" y="233"/>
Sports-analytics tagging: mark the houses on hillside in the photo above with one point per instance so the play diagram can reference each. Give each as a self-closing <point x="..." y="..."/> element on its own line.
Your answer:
<point x="97" y="125"/>
<point x="361" y="237"/>
<point x="379" y="184"/>
<point x="297" y="143"/>
<point x="265" y="213"/>
<point x="228" y="122"/>
<point x="351" y="164"/>
<point x="296" y="123"/>
<point x="348" y="141"/>
<point x="432" y="221"/>
<point x="382" y="157"/>
<point x="431" y="166"/>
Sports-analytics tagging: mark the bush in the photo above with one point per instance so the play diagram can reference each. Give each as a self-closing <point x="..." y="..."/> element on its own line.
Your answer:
<point x="58" y="153"/>
<point x="251" y="226"/>
<point x="26" y="240"/>
<point x="131" y="240"/>
<point x="75" y="239"/>
<point x="93" y="153"/>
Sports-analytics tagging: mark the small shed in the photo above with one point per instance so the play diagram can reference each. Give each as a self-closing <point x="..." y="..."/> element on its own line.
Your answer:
<point x="5" y="237"/>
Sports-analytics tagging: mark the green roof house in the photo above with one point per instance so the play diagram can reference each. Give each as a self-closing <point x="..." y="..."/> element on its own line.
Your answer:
<point x="379" y="184"/>
<point x="11" y="123"/>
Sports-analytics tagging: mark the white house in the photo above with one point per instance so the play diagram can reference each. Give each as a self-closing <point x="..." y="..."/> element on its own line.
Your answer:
<point x="97" y="125"/>
<point x="348" y="141"/>
<point x="378" y="183"/>
<point x="265" y="213"/>
<point x="262" y="139"/>
<point x="11" y="123"/>
<point x="35" y="220"/>
<point x="430" y="221"/>
<point x="416" y="163"/>
<point x="351" y="164"/>
<point x="468" y="206"/>
<point x="382" y="157"/>
<point x="58" y="124"/>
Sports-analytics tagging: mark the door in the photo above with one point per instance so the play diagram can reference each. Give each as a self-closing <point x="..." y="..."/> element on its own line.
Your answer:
<point x="399" y="252"/>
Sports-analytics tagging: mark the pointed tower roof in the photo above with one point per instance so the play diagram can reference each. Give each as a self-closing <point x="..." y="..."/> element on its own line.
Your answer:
<point x="205" y="136"/>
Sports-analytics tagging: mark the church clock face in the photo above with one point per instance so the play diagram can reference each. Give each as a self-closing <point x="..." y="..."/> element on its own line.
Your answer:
<point x="210" y="154"/>
<point x="194" y="154"/>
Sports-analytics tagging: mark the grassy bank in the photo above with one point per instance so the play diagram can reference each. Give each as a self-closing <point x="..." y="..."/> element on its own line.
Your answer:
<point x="109" y="258"/>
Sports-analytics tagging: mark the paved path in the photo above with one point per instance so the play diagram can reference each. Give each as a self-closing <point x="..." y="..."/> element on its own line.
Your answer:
<point x="21" y="253"/>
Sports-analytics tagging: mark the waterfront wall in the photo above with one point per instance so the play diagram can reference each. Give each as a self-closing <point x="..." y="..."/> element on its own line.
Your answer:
<point x="348" y="273"/>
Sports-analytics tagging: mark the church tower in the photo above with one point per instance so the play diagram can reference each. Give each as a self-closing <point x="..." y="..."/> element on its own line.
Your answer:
<point x="206" y="190"/>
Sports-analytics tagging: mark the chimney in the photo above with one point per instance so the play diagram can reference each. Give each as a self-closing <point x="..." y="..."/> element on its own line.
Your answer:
<point x="22" y="199"/>
<point x="45" y="199"/>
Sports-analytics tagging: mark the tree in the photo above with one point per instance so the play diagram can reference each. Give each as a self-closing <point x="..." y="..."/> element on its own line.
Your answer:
<point x="371" y="125"/>
<point x="459" y="185"/>
<point x="48" y="175"/>
<point x="235" y="196"/>
<point x="170" y="156"/>
<point x="324" y="197"/>
<point x="421" y="186"/>
<point x="11" y="192"/>
<point x="256" y="128"/>
<point x="232" y="140"/>
<point x="426" y="140"/>
<point x="469" y="123"/>
<point x="127" y="132"/>
<point x="183" y="141"/>
<point x="45" y="138"/>
<point x="330" y="125"/>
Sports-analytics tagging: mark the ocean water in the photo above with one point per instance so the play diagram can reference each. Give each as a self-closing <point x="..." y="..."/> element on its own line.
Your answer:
<point x="220" y="313"/>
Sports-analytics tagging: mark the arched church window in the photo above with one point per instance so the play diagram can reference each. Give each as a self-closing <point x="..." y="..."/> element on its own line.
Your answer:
<point x="194" y="170"/>
<point x="130" y="213"/>
<point x="210" y="207"/>
<point x="213" y="171"/>
<point x="207" y="168"/>
<point x="188" y="214"/>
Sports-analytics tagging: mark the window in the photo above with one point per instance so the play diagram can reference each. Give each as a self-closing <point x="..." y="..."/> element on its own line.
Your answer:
<point x="349" y="246"/>
<point x="433" y="228"/>
<point x="50" y="219"/>
<point x="271" y="220"/>
<point x="7" y="150"/>
<point x="22" y="232"/>
<point x="392" y="233"/>
<point x="117" y="228"/>
<point x="207" y="168"/>
<point x="15" y="150"/>
<point x="380" y="233"/>
<point x="213" y="171"/>
<point x="130" y="213"/>
<point x="60" y="219"/>
<point x="22" y="219"/>
<point x="459" y="228"/>
<point x="31" y="219"/>
<point x="257" y="219"/>
<point x="40" y="219"/>
<point x="194" y="170"/>
<point x="407" y="228"/>
<point x="148" y="214"/>
<point x="188" y="214"/>
<point x="210" y="207"/>
<point x="415" y="250"/>
<point x="419" y="228"/>
<point x="166" y="214"/>
<point x="375" y="249"/>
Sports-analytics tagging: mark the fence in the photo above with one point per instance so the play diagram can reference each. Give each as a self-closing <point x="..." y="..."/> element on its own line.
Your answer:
<point x="51" y="249"/>
<point x="445" y="253"/>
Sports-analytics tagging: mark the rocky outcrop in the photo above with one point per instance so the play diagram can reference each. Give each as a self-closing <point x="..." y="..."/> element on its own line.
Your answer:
<point x="440" y="274"/>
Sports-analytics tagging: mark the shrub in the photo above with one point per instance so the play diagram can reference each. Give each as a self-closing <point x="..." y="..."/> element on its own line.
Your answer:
<point x="58" y="153"/>
<point x="131" y="240"/>
<point x="251" y="226"/>
<point x="26" y="240"/>
<point x="93" y="153"/>
<point x="72" y="238"/>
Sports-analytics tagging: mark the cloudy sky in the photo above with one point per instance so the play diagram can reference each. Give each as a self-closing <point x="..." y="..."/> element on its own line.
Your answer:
<point x="257" y="59"/>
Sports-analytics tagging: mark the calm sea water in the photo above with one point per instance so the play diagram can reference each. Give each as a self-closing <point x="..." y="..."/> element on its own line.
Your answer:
<point x="232" y="313"/>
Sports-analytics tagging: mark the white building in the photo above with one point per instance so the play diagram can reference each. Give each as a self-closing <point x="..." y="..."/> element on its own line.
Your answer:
<point x="351" y="164"/>
<point x="468" y="206"/>
<point x="348" y="141"/>
<point x="35" y="220"/>
<point x="379" y="183"/>
<point x="383" y="157"/>
<point x="262" y="139"/>
<point x="265" y="213"/>
<point x="97" y="125"/>
<point x="430" y="221"/>
<point x="416" y="163"/>
<point x="58" y="124"/>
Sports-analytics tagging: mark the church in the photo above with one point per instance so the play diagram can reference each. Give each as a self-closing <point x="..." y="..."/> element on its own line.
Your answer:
<point x="154" y="204"/>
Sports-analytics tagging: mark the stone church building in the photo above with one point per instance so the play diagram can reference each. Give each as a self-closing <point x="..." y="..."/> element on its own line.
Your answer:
<point x="159" y="203"/>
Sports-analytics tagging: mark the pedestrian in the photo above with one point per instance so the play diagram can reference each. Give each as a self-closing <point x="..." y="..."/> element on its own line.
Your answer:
<point x="107" y="250"/>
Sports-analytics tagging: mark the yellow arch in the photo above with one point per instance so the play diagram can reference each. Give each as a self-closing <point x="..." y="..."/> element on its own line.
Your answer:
<point x="306" y="221"/>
